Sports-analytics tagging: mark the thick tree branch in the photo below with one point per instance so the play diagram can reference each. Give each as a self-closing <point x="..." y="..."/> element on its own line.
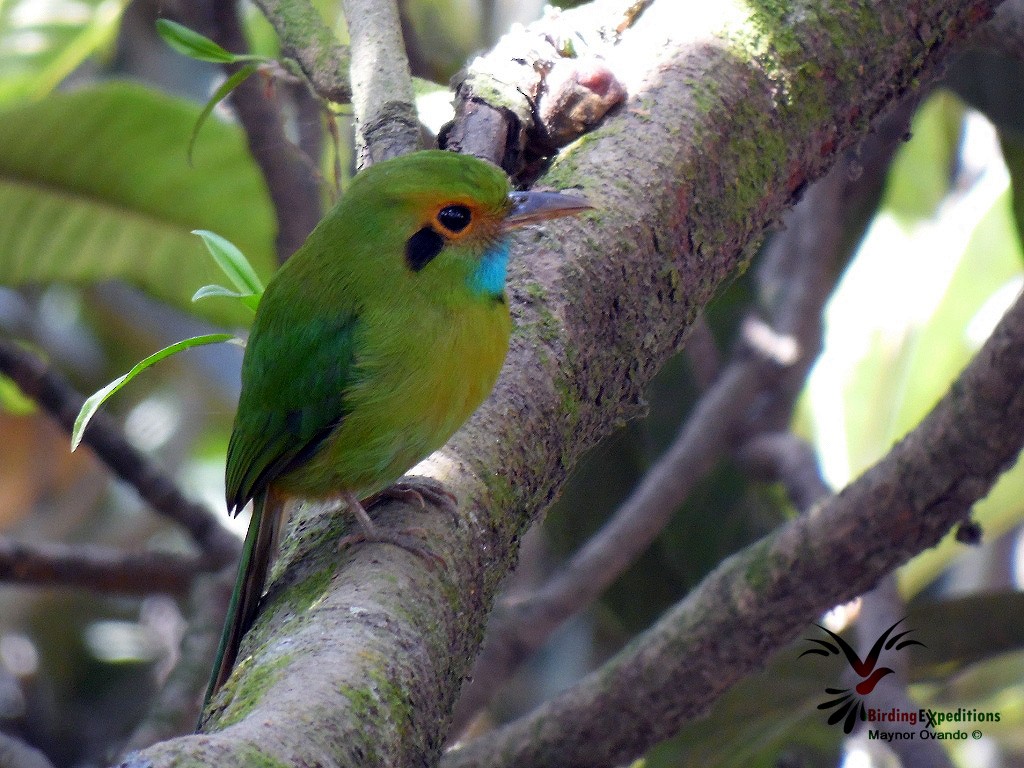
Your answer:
<point x="382" y="95"/>
<point x="58" y="398"/>
<point x="725" y="125"/>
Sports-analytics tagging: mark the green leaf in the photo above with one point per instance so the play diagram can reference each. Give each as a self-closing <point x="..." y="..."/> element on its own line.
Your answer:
<point x="42" y="43"/>
<point x="94" y="186"/>
<point x="232" y="261"/>
<point x="13" y="400"/>
<point x="250" y="300"/>
<point x="921" y="171"/>
<point x="190" y="43"/>
<point x="1012" y="145"/>
<point x="219" y="95"/>
<point x="94" y="401"/>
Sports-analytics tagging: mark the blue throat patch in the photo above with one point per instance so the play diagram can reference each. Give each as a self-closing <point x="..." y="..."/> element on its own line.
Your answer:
<point x="489" y="277"/>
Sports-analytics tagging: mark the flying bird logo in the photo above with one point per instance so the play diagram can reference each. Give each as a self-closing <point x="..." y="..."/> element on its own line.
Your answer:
<point x="850" y="703"/>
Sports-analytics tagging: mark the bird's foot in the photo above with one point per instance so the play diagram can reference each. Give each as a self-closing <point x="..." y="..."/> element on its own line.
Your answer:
<point x="409" y="539"/>
<point x="417" y="491"/>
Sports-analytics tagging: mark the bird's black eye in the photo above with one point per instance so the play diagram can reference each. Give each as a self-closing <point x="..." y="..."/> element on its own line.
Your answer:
<point x="454" y="218"/>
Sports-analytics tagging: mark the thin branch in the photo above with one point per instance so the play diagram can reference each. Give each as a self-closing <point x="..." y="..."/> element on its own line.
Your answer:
<point x="783" y="457"/>
<point x="306" y="39"/>
<point x="293" y="189"/>
<point x="103" y="569"/>
<point x="57" y="397"/>
<point x="762" y="598"/>
<point x="382" y="96"/>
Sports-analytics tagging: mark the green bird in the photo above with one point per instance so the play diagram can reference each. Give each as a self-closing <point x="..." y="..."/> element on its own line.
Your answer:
<point x="372" y="344"/>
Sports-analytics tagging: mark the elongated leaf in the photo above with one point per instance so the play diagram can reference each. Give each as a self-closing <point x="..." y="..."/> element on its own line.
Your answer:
<point x="41" y="43"/>
<point x="190" y="43"/>
<point x="94" y="186"/>
<point x="232" y="261"/>
<point x="251" y="300"/>
<point x="93" y="402"/>
<point x="219" y="95"/>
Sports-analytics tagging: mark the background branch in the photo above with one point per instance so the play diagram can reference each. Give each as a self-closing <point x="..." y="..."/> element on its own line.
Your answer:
<point x="382" y="95"/>
<point x="306" y="39"/>
<point x="56" y="396"/>
<point x="104" y="569"/>
<point x="293" y="188"/>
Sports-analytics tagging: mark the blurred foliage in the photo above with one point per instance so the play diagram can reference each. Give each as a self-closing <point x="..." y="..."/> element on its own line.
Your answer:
<point x="86" y="198"/>
<point x="43" y="41"/>
<point x="95" y="187"/>
<point x="921" y="174"/>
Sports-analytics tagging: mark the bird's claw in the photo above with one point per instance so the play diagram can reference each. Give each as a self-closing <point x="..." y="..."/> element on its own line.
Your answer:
<point x="409" y="539"/>
<point x="418" y="491"/>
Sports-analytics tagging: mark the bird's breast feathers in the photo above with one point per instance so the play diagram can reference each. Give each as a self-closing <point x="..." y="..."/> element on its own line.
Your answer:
<point x="413" y="389"/>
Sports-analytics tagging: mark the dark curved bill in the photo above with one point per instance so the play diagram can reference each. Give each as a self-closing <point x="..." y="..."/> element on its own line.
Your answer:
<point x="529" y="207"/>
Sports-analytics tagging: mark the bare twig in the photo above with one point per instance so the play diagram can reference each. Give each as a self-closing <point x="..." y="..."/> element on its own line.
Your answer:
<point x="382" y="95"/>
<point x="763" y="597"/>
<point x="783" y="457"/>
<point x="58" y="398"/>
<point x="306" y="39"/>
<point x="103" y="569"/>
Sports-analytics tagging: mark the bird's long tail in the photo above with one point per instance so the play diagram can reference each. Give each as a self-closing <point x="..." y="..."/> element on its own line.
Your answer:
<point x="257" y="551"/>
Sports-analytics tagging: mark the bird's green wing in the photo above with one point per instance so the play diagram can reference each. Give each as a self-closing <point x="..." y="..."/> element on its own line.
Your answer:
<point x="293" y="396"/>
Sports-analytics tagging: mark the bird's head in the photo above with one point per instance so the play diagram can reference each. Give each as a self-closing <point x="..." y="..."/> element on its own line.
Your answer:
<point x="450" y="216"/>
